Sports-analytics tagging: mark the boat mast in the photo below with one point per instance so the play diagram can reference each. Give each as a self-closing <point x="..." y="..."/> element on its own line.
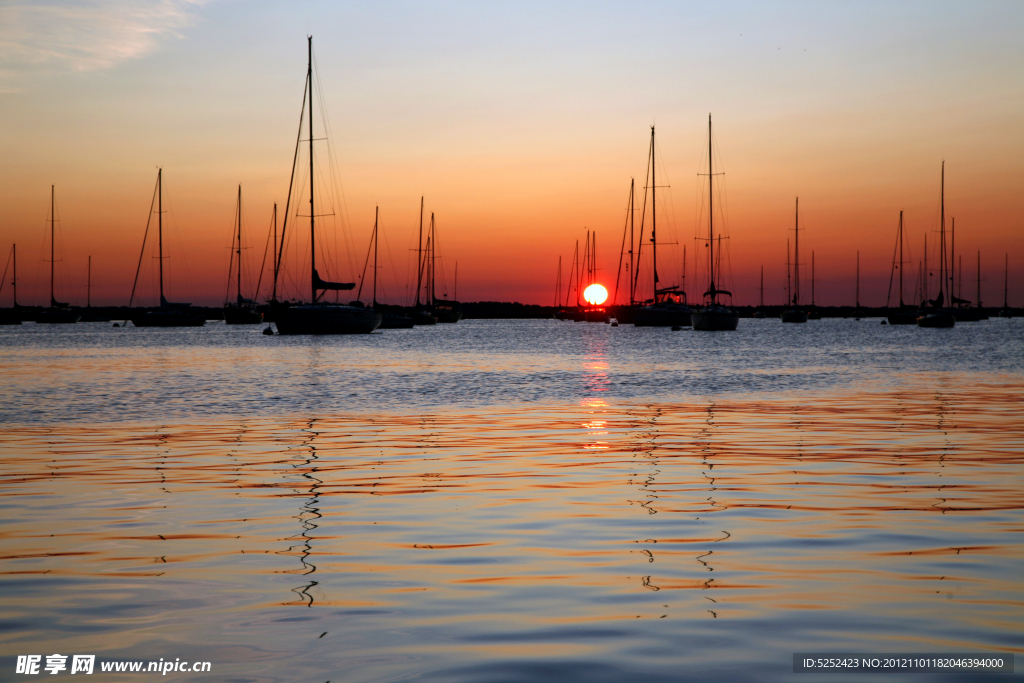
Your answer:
<point x="273" y="297"/>
<point x="432" y="241"/>
<point x="239" y="252"/>
<point x="160" y="229"/>
<point x="53" y="218"/>
<point x="796" y="256"/>
<point x="632" y="214"/>
<point x="654" y="221"/>
<point x="711" y="218"/>
<point x="901" y="258"/>
<point x="789" y="276"/>
<point x="942" y="237"/>
<point x="419" y="257"/>
<point x="376" y="241"/>
<point x="312" y="180"/>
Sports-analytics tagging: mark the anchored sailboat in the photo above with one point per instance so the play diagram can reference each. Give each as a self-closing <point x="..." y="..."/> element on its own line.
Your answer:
<point x="906" y="314"/>
<point x="668" y="307"/>
<point x="318" y="317"/>
<point x="795" y="314"/>
<point x="714" y="315"/>
<point x="389" y="321"/>
<point x="935" y="314"/>
<point x="57" y="312"/>
<point x="243" y="311"/>
<point x="169" y="314"/>
<point x="10" y="316"/>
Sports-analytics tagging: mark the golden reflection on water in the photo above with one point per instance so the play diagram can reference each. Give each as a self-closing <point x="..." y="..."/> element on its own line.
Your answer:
<point x="879" y="516"/>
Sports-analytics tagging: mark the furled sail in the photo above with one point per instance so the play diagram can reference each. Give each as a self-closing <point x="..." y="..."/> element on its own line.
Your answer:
<point x="324" y="284"/>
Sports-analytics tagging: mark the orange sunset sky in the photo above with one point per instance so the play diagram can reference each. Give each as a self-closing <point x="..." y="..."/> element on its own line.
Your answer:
<point x="521" y="124"/>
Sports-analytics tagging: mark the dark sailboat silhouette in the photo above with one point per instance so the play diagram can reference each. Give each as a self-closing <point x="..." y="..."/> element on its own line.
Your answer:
<point x="935" y="313"/>
<point x="243" y="311"/>
<point x="668" y="307"/>
<point x="714" y="315"/>
<point x="318" y="317"/>
<point x="10" y="316"/>
<point x="389" y="321"/>
<point x="57" y="312"/>
<point x="169" y="314"/>
<point x="795" y="314"/>
<point x="905" y="314"/>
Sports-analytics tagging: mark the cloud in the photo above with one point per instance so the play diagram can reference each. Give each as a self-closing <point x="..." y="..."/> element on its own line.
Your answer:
<point x="86" y="35"/>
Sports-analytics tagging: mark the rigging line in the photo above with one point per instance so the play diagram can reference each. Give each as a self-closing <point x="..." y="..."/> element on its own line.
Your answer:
<point x="231" y="257"/>
<point x="622" y="248"/>
<point x="3" y="280"/>
<point x="263" y="263"/>
<point x="892" y="271"/>
<point x="149" y="220"/>
<point x="291" y="183"/>
<point x="640" y="239"/>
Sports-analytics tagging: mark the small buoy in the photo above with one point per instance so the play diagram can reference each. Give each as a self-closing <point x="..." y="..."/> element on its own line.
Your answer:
<point x="269" y="330"/>
<point x="116" y="325"/>
<point x="615" y="324"/>
<point x="676" y="328"/>
<point x="884" y="321"/>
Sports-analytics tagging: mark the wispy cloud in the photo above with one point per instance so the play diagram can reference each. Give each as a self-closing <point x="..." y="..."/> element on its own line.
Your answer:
<point x="86" y="35"/>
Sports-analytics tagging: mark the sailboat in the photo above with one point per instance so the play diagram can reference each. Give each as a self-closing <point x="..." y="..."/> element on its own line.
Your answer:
<point x="57" y="312"/>
<point x="389" y="321"/>
<point x="795" y="314"/>
<point x="935" y="314"/>
<point x="905" y="314"/>
<point x="446" y="310"/>
<point x="10" y="316"/>
<point x="714" y="315"/>
<point x="243" y="311"/>
<point x="421" y="313"/>
<point x="169" y="314"/>
<point x="593" y="313"/>
<point x="668" y="307"/>
<point x="317" y="317"/>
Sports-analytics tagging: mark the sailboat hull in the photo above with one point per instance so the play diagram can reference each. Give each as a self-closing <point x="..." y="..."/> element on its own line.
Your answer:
<point x="327" y="319"/>
<point x="447" y="311"/>
<point x="902" y="318"/>
<point x="936" y="319"/>
<point x="393" y="321"/>
<point x="715" y="319"/>
<point x="794" y="316"/>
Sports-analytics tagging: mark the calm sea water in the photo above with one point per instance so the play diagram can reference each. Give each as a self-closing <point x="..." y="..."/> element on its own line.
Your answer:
<point x="511" y="500"/>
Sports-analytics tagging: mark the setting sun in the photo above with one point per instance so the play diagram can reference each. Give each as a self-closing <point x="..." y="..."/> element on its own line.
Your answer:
<point x="595" y="295"/>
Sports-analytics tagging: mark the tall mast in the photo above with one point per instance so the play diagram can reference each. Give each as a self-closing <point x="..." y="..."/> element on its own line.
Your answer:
<point x="762" y="286"/>
<point x="53" y="219"/>
<point x="273" y="296"/>
<point x="376" y="222"/>
<point x="239" y="252"/>
<point x="942" y="236"/>
<point x="654" y="221"/>
<point x="901" y="259"/>
<point x="312" y="181"/>
<point x="632" y="213"/>
<point x="711" y="216"/>
<point x="419" y="258"/>
<point x="576" y="272"/>
<point x="796" y="256"/>
<point x="160" y="229"/>
<point x="433" y="257"/>
<point x="789" y="276"/>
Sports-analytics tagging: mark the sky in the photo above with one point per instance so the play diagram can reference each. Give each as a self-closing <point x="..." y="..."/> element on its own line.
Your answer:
<point x="521" y="124"/>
